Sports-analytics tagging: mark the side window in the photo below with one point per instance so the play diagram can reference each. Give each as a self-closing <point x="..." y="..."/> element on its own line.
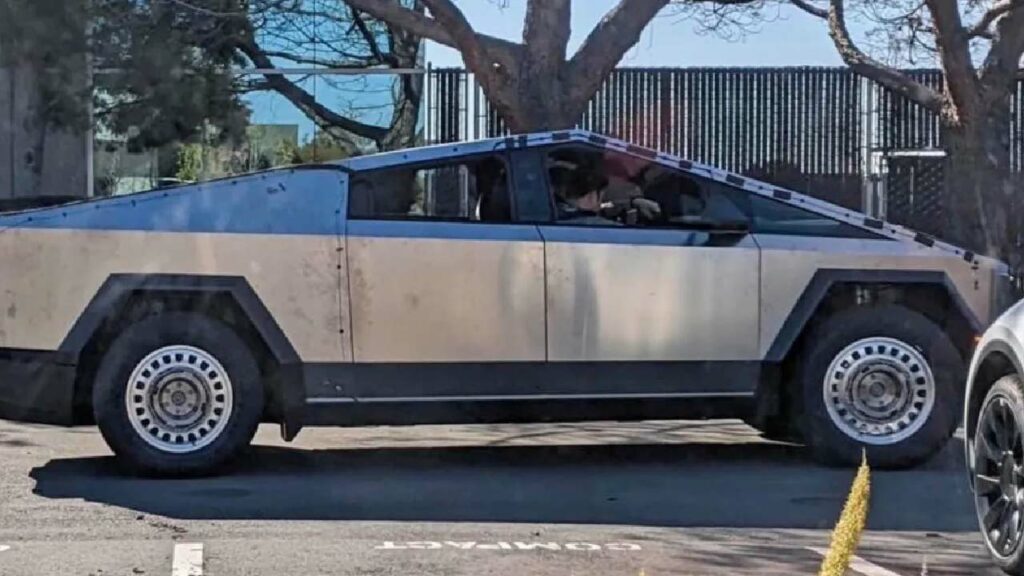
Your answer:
<point x="772" y="217"/>
<point x="471" y="190"/>
<point x="606" y="188"/>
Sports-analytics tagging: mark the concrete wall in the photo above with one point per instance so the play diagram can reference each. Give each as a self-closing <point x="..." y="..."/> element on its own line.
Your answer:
<point x="36" y="160"/>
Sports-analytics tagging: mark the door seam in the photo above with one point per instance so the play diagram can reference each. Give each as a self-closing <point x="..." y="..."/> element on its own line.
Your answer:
<point x="544" y="276"/>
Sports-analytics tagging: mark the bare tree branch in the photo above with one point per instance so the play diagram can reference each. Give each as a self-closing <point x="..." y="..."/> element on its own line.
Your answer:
<point x="327" y="63"/>
<point x="953" y="43"/>
<point x="328" y="120"/>
<point x="495" y="70"/>
<point x="371" y="40"/>
<point x="982" y="28"/>
<point x="602" y="50"/>
<point x="865" y="65"/>
<point x="463" y="37"/>
<point x="1003" y="59"/>
<point x="424" y="26"/>
<point x="531" y="84"/>
<point x="811" y="9"/>
<point x="405" y="47"/>
<point x="392" y="11"/>
<point x="203" y="10"/>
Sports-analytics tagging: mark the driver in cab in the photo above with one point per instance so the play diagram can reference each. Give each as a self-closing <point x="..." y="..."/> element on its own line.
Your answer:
<point x="579" y="198"/>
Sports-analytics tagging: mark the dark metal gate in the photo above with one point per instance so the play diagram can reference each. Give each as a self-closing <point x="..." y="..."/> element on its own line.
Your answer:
<point x="915" y="184"/>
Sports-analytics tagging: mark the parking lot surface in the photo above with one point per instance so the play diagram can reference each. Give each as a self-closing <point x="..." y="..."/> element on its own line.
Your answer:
<point x="598" y="498"/>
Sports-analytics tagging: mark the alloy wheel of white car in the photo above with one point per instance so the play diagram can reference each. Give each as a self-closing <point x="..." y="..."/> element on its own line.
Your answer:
<point x="179" y="399"/>
<point x="999" y="476"/>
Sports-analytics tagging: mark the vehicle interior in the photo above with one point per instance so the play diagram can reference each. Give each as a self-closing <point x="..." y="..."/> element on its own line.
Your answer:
<point x="636" y="192"/>
<point x="475" y="191"/>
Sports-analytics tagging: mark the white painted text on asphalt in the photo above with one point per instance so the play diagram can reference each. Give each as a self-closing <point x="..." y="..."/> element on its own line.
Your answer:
<point x="552" y="546"/>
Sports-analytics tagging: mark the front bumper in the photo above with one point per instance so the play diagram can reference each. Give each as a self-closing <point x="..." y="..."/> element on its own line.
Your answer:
<point x="36" y="386"/>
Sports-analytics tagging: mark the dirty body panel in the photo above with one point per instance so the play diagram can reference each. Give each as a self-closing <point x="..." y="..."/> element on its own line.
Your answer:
<point x="436" y="319"/>
<point x="278" y="233"/>
<point x="431" y="292"/>
<point x="650" y="295"/>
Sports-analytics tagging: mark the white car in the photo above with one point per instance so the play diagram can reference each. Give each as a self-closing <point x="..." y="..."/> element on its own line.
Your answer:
<point x="994" y="424"/>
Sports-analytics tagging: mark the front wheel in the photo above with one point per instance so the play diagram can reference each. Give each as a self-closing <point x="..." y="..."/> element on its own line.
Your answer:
<point x="177" y="394"/>
<point x="999" y="473"/>
<point x="883" y="380"/>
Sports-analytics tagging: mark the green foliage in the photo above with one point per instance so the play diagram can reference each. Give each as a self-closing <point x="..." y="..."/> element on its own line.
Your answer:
<point x="323" y="148"/>
<point x="48" y="39"/>
<point x="168" y="72"/>
<point x="190" y="162"/>
<point x="287" y="154"/>
<point x="320" y="148"/>
<point x="162" y="72"/>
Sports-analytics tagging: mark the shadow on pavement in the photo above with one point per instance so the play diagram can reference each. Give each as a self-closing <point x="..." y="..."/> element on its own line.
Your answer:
<point x="755" y="485"/>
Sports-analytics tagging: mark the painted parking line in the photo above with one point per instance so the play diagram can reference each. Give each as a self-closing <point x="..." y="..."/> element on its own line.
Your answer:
<point x="188" y="560"/>
<point x="510" y="546"/>
<point x="860" y="565"/>
<point x="4" y="548"/>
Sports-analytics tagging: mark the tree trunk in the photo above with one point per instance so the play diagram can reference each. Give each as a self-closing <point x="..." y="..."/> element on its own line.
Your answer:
<point x="37" y="158"/>
<point x="408" y="97"/>
<point x="23" y="132"/>
<point x="541" y="103"/>
<point x="545" y="106"/>
<point x="981" y="209"/>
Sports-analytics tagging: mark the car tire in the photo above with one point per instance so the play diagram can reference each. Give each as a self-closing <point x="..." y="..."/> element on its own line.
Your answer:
<point x="779" y="429"/>
<point x="881" y="380"/>
<point x="177" y="394"/>
<point x="1000" y="419"/>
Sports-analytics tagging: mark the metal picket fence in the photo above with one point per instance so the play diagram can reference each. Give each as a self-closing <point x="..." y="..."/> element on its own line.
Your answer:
<point x="825" y="131"/>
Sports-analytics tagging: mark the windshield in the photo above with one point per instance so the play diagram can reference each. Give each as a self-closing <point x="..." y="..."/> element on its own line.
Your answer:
<point x="302" y="287"/>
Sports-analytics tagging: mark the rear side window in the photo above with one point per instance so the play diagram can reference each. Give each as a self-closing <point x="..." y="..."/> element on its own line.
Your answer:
<point x="472" y="190"/>
<point x="772" y="217"/>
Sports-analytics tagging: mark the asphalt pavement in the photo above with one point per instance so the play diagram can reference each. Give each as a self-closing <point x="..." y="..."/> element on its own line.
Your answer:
<point x="598" y="498"/>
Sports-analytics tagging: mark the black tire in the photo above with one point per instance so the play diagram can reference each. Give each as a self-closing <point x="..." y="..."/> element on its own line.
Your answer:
<point x="779" y="429"/>
<point x="1010" y="390"/>
<point x="828" y="442"/>
<point x="174" y="329"/>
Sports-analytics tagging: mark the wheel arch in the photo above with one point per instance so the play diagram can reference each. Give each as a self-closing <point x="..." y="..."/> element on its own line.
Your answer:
<point x="995" y="359"/>
<point x="832" y="290"/>
<point x="124" y="298"/>
<point x="827" y="284"/>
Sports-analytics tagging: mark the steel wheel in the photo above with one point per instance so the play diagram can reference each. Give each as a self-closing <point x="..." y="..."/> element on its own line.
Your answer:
<point x="879" y="391"/>
<point x="998" y="480"/>
<point x="179" y="399"/>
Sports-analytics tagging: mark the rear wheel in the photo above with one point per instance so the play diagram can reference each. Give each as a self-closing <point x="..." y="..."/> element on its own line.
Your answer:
<point x="999" y="473"/>
<point x="177" y="394"/>
<point x="883" y="380"/>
